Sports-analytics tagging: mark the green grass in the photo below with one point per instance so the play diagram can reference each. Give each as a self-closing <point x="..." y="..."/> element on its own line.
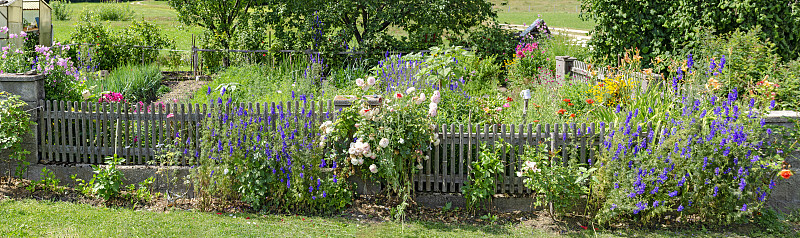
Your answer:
<point x="556" y="13"/>
<point x="157" y="12"/>
<point x="135" y="82"/>
<point x="32" y="218"/>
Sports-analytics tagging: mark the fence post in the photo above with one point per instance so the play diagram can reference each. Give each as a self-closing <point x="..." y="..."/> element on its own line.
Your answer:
<point x="564" y="66"/>
<point x="30" y="88"/>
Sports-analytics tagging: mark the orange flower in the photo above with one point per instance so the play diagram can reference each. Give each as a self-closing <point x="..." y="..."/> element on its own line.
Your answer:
<point x="572" y="115"/>
<point x="567" y="100"/>
<point x="589" y="101"/>
<point x="785" y="173"/>
<point x="562" y="111"/>
<point x="509" y="99"/>
<point x="535" y="121"/>
<point x="570" y="104"/>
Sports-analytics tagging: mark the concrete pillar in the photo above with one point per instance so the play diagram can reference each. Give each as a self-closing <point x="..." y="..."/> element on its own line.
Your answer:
<point x="564" y="66"/>
<point x="785" y="197"/>
<point x="30" y="88"/>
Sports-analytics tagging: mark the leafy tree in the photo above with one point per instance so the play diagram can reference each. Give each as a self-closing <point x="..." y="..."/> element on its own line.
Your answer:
<point x="219" y="17"/>
<point x="665" y="26"/>
<point x="365" y="23"/>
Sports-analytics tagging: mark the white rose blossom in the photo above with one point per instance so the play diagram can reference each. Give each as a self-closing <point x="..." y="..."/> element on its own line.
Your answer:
<point x="371" y="81"/>
<point x="410" y="90"/>
<point x="401" y="141"/>
<point x="384" y="142"/>
<point x="373" y="168"/>
<point x="360" y="83"/>
<point x="436" y="97"/>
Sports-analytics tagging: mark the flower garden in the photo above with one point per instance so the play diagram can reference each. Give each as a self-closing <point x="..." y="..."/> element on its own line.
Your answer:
<point x="683" y="138"/>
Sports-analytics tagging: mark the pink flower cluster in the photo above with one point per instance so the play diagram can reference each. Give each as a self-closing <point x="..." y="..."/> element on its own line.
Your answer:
<point x="111" y="97"/>
<point x="526" y="47"/>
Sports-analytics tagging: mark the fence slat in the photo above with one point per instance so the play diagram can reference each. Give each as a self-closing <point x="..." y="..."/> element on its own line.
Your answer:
<point x="461" y="166"/>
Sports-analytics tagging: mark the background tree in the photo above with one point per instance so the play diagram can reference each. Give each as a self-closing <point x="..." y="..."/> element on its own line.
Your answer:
<point x="219" y="17"/>
<point x="365" y="23"/>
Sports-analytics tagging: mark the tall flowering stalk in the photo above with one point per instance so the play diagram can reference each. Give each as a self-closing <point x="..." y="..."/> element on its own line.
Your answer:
<point x="706" y="162"/>
<point x="269" y="159"/>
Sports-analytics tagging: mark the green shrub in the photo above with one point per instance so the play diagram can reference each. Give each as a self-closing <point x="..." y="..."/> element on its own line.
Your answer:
<point x="492" y="40"/>
<point x="109" y="49"/>
<point x="113" y="12"/>
<point x="706" y="162"/>
<point x="48" y="182"/>
<point x="483" y="175"/>
<point x="107" y="181"/>
<point x="787" y="76"/>
<point x="135" y="83"/>
<point x="14" y="124"/>
<point x="61" y="10"/>
<point x="660" y="27"/>
<point x="552" y="181"/>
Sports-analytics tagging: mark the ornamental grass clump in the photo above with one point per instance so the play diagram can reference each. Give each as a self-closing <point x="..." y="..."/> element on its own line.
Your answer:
<point x="705" y="163"/>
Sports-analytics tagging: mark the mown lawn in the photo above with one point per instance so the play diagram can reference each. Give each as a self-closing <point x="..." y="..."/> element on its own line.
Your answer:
<point x="156" y="12"/>
<point x="32" y="218"/>
<point x="556" y="13"/>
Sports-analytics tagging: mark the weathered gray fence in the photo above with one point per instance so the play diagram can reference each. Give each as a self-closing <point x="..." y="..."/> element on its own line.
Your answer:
<point x="88" y="132"/>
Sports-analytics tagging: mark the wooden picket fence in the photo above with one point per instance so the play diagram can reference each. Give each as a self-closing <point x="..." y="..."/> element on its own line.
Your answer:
<point x="89" y="132"/>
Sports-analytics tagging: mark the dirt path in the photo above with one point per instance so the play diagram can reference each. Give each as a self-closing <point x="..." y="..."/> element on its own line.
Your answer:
<point x="182" y="91"/>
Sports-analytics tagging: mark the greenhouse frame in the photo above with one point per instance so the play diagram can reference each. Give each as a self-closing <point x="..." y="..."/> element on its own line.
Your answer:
<point x="30" y="16"/>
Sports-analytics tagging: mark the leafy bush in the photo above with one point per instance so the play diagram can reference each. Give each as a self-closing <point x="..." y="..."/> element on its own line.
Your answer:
<point x="14" y="125"/>
<point x="113" y="12"/>
<point x="787" y="76"/>
<point x="552" y="181"/>
<point x="48" y="182"/>
<point x="706" y="163"/>
<point x="107" y="180"/>
<point x="273" y="163"/>
<point x="483" y="175"/>
<point x="385" y="143"/>
<point x="659" y="27"/>
<point x="491" y="40"/>
<point x="61" y="10"/>
<point x="135" y="82"/>
<point x="109" y="49"/>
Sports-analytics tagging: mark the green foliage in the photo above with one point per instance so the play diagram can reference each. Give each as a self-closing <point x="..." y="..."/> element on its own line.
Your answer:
<point x="112" y="12"/>
<point x="484" y="175"/>
<point x="137" y="83"/>
<point x="660" y="27"/>
<point x="787" y="76"/>
<point x="221" y="20"/>
<point x="48" y="182"/>
<point x="385" y="143"/>
<point x="705" y="161"/>
<point x="60" y="10"/>
<point x="552" y="181"/>
<point x="107" y="180"/>
<point x="748" y="58"/>
<point x="14" y="124"/>
<point x="139" y="192"/>
<point x="109" y="49"/>
<point x="491" y="40"/>
<point x="364" y="24"/>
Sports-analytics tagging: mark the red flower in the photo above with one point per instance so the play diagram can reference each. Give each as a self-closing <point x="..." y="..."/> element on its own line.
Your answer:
<point x="399" y="95"/>
<point x="562" y="111"/>
<point x="584" y="227"/>
<point x="572" y="115"/>
<point x="567" y="100"/>
<point x="509" y="99"/>
<point x="570" y="104"/>
<point x="589" y="101"/>
<point x="785" y="173"/>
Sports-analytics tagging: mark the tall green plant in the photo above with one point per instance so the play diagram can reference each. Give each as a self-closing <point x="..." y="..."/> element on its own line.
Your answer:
<point x="484" y="175"/>
<point x="14" y="124"/>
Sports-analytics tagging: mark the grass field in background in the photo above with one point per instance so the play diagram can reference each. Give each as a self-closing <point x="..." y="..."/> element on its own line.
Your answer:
<point x="157" y="12"/>
<point x="556" y="13"/>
